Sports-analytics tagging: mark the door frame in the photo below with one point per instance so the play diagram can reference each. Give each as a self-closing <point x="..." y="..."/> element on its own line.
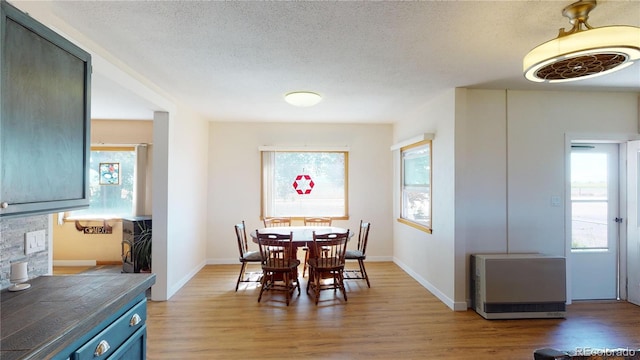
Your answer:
<point x="613" y="138"/>
<point x="633" y="240"/>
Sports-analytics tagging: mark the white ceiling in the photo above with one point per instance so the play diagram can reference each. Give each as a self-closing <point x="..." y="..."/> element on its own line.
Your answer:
<point x="371" y="61"/>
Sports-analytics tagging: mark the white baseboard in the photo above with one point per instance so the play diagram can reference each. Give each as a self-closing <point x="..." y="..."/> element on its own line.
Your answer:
<point x="74" y="262"/>
<point x="233" y="261"/>
<point x="453" y="305"/>
<point x="185" y="279"/>
<point x="379" y="258"/>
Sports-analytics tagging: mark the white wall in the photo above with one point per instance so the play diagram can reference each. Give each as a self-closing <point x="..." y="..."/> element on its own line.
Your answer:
<point x="429" y="258"/>
<point x="505" y="153"/>
<point x="537" y="124"/>
<point x="187" y="198"/>
<point x="481" y="179"/>
<point x="481" y="169"/>
<point x="234" y="179"/>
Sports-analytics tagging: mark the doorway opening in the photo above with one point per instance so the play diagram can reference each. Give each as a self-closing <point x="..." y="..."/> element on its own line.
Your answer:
<point x="595" y="219"/>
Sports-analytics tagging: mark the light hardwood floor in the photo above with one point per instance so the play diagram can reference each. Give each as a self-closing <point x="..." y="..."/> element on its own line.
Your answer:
<point x="395" y="319"/>
<point x="69" y="270"/>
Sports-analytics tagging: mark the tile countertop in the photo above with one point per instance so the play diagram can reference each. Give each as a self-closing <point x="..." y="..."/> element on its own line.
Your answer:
<point x="56" y="311"/>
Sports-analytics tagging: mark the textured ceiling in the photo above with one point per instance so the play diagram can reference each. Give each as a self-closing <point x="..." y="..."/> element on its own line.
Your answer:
<point x="371" y="61"/>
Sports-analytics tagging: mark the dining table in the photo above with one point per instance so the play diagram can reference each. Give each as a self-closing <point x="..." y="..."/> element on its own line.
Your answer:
<point x="301" y="235"/>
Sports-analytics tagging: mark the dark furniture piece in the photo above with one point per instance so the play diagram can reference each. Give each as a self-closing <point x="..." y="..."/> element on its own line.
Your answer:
<point x="276" y="221"/>
<point x="279" y="264"/>
<point x="359" y="254"/>
<point x="44" y="118"/>
<point x="326" y="261"/>
<point x="76" y="317"/>
<point x="246" y="256"/>
<point x="313" y="221"/>
<point x="132" y="234"/>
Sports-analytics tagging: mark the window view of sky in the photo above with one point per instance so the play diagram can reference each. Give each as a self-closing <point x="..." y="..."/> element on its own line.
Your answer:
<point x="588" y="167"/>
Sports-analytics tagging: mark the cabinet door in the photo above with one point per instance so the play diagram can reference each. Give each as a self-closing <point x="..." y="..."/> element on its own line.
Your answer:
<point x="135" y="348"/>
<point x="44" y="118"/>
<point x="111" y="339"/>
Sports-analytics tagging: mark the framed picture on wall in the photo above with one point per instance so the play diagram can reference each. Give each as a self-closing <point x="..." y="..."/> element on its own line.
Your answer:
<point x="109" y="173"/>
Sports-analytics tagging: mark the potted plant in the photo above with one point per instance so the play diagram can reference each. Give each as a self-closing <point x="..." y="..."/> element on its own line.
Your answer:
<point x="142" y="248"/>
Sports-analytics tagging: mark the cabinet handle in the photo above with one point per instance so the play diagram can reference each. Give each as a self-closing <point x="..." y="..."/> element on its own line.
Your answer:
<point x="135" y="320"/>
<point x="102" y="348"/>
<point x="4" y="205"/>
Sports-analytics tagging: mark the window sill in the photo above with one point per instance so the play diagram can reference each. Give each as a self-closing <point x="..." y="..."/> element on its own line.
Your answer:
<point x="415" y="225"/>
<point x="587" y="250"/>
<point x="97" y="218"/>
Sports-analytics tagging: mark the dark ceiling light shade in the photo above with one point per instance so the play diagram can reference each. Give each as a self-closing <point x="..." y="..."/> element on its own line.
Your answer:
<point x="582" y="52"/>
<point x="302" y="98"/>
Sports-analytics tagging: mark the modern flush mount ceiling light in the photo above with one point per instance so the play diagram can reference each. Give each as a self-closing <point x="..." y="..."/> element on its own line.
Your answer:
<point x="582" y="52"/>
<point x="302" y="98"/>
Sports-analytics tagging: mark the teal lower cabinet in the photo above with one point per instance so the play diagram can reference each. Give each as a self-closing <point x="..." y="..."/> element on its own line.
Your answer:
<point x="120" y="339"/>
<point x="77" y="317"/>
<point x="133" y="349"/>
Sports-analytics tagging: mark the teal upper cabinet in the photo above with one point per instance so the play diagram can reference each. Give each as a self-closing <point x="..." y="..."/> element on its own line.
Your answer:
<point x="44" y="118"/>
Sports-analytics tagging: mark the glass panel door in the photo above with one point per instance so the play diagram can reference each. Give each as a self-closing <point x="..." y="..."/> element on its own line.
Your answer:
<point x="594" y="230"/>
<point x="589" y="201"/>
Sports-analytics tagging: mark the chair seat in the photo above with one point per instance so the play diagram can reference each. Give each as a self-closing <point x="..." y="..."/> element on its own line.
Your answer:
<point x="276" y="265"/>
<point x="326" y="264"/>
<point x="354" y="255"/>
<point x="251" y="256"/>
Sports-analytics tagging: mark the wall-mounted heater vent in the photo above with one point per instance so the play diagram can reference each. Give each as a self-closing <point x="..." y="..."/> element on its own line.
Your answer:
<point x="518" y="286"/>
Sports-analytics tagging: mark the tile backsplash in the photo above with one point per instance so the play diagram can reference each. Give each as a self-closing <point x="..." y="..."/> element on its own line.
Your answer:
<point x="12" y="235"/>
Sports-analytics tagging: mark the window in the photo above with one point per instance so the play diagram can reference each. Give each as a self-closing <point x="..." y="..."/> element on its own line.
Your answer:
<point x="304" y="183"/>
<point x="416" y="185"/>
<point x="592" y="197"/>
<point x="111" y="183"/>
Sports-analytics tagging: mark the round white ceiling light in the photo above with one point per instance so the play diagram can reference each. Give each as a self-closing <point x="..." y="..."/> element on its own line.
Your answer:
<point x="302" y="98"/>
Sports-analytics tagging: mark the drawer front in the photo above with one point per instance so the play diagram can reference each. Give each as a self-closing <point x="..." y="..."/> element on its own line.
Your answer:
<point x="108" y="340"/>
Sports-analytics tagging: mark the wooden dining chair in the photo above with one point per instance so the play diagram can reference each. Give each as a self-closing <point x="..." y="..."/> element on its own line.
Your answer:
<point x="279" y="264"/>
<point x="312" y="221"/>
<point x="359" y="254"/>
<point x="276" y="221"/>
<point x="317" y="221"/>
<point x="326" y="263"/>
<point x="246" y="256"/>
